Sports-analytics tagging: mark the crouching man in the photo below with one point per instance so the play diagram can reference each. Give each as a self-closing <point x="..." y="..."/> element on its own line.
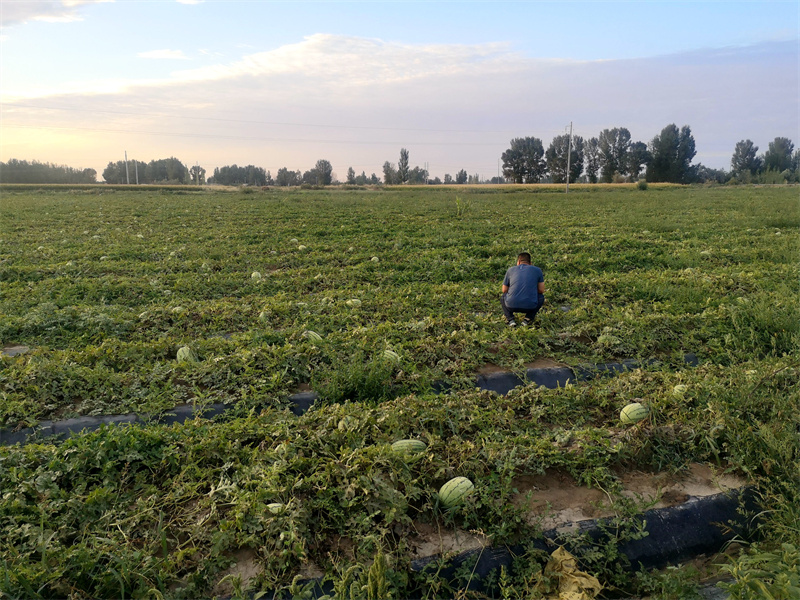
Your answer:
<point x="523" y="291"/>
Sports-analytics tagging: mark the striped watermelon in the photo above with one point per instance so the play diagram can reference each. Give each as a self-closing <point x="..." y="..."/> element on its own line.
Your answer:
<point x="186" y="355"/>
<point x="633" y="413"/>
<point x="409" y="446"/>
<point x="313" y="337"/>
<point x="275" y="508"/>
<point x="455" y="491"/>
<point x="391" y="356"/>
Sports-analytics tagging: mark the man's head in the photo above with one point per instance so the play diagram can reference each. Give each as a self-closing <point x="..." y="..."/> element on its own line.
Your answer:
<point x="524" y="258"/>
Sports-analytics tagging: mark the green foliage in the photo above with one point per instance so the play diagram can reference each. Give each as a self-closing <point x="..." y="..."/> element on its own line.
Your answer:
<point x="763" y="574"/>
<point x="105" y="288"/>
<point x="642" y="184"/>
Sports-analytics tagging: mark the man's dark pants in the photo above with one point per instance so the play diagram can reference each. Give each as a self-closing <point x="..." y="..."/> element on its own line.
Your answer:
<point x="530" y="313"/>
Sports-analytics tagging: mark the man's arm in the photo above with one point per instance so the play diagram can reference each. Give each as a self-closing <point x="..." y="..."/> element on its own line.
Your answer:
<point x="505" y="288"/>
<point x="541" y="287"/>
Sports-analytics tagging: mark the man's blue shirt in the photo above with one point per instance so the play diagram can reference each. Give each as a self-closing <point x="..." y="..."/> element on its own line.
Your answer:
<point x="523" y="286"/>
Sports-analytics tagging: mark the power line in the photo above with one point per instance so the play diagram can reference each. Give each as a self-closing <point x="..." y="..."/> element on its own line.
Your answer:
<point x="260" y="139"/>
<point x="250" y="121"/>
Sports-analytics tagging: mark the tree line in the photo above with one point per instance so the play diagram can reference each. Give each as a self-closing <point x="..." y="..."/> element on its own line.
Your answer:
<point x="613" y="157"/>
<point x="22" y="171"/>
<point x="165" y="171"/>
<point x="609" y="157"/>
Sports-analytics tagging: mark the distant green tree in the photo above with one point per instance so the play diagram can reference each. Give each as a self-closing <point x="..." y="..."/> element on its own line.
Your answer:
<point x="402" y="167"/>
<point x="638" y="159"/>
<point x="284" y="177"/>
<point x="22" y="171"/>
<point x="778" y="156"/>
<point x="197" y="175"/>
<point x="461" y="177"/>
<point x="744" y="159"/>
<point x="591" y="154"/>
<point x="351" y="176"/>
<point x="448" y="178"/>
<point x="389" y="173"/>
<point x="673" y="151"/>
<point x="613" y="145"/>
<point x="704" y="174"/>
<point x="556" y="158"/>
<point x="324" y="172"/>
<point x="524" y="161"/>
<point x="417" y="176"/>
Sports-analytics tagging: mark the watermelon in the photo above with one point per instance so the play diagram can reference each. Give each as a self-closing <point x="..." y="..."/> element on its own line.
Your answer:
<point x="375" y="259"/>
<point x="679" y="390"/>
<point x="455" y="491"/>
<point x="313" y="337"/>
<point x="255" y="276"/>
<point x="301" y="247"/>
<point x="391" y="356"/>
<point x="186" y="355"/>
<point x="409" y="446"/>
<point x="633" y="413"/>
<point x="275" y="508"/>
<point x="353" y="303"/>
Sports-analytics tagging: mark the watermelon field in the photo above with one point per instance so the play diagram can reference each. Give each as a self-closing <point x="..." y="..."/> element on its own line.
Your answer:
<point x="385" y="303"/>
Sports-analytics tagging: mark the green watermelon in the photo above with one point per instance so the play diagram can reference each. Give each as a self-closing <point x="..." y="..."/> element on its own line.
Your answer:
<point x="353" y="303"/>
<point x="186" y="355"/>
<point x="275" y="508"/>
<point x="633" y="413"/>
<point x="313" y="337"/>
<point x="409" y="446"/>
<point x="455" y="491"/>
<point x="391" y="356"/>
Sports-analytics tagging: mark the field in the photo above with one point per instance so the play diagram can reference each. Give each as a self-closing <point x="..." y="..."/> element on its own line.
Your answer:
<point x="105" y="285"/>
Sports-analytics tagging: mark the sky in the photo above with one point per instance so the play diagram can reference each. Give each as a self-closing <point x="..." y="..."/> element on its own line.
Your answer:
<point x="283" y="84"/>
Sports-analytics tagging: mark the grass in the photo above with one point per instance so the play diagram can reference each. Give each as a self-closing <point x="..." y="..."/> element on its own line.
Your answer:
<point x="105" y="286"/>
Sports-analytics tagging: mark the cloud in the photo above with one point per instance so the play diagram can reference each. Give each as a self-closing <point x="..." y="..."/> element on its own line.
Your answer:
<point x="164" y="54"/>
<point x="62" y="12"/>
<point x="356" y="101"/>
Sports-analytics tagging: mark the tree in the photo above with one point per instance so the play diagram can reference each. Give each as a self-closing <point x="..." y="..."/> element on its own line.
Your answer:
<point x="448" y="178"/>
<point x="351" y="176"/>
<point x="324" y="172"/>
<point x="779" y="155"/>
<point x="523" y="162"/>
<point x="592" y="156"/>
<point x="613" y="145"/>
<point x="744" y="159"/>
<point x="22" y="171"/>
<point x="704" y="174"/>
<point x="418" y="176"/>
<point x="672" y="151"/>
<point x="389" y="173"/>
<point x="461" y="177"/>
<point x="638" y="159"/>
<point x="197" y="174"/>
<point x="556" y="158"/>
<point x="402" y="166"/>
<point x="285" y="177"/>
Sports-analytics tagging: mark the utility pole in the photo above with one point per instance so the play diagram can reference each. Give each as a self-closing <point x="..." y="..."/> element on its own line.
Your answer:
<point x="569" y="152"/>
<point x="127" y="176"/>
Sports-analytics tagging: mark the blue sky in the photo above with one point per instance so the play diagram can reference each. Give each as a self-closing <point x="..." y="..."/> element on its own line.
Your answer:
<point x="285" y="83"/>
